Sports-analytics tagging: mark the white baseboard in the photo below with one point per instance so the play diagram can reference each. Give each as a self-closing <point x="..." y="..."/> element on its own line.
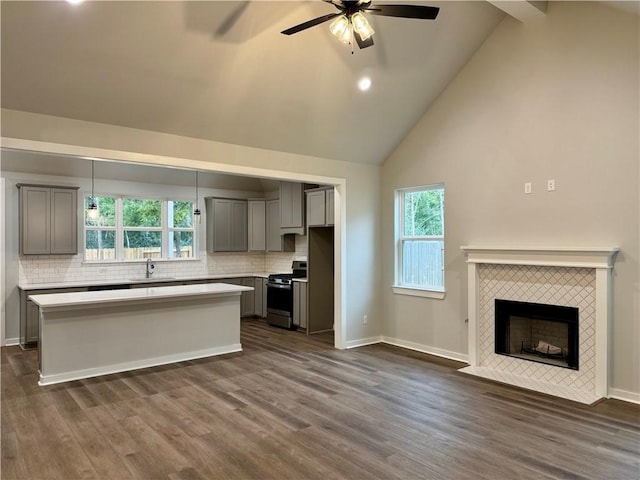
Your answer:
<point x="625" y="396"/>
<point x="135" y="365"/>
<point x="361" y="342"/>
<point x="438" y="352"/>
<point x="10" y="342"/>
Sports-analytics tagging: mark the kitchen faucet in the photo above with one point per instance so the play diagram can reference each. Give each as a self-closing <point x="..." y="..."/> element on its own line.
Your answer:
<point x="150" y="267"/>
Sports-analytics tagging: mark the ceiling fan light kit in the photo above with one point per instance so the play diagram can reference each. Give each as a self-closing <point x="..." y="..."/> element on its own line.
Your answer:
<point x="351" y="22"/>
<point x="341" y="29"/>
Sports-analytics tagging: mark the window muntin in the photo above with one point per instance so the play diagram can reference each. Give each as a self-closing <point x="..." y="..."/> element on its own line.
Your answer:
<point x="420" y="238"/>
<point x="100" y="234"/>
<point x="180" y="221"/>
<point x="135" y="229"/>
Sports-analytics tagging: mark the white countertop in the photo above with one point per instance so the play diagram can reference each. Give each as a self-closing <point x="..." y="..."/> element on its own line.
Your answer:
<point x="56" y="300"/>
<point x="124" y="281"/>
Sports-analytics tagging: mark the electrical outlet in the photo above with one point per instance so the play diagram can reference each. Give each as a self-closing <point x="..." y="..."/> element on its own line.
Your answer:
<point x="527" y="187"/>
<point x="551" y="185"/>
<point x="365" y="319"/>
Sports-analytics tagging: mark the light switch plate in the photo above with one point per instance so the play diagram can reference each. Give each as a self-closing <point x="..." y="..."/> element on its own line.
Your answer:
<point x="527" y="187"/>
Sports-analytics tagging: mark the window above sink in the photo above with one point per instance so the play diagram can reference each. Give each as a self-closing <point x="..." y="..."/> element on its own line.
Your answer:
<point x="130" y="229"/>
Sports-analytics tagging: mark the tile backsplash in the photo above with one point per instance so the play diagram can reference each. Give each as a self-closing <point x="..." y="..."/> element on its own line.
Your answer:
<point x="34" y="269"/>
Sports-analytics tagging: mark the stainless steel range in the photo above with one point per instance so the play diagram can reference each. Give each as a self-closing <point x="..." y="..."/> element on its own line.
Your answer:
<point x="280" y="295"/>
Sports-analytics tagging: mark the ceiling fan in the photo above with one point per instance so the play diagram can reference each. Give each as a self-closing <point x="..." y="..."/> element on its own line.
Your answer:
<point x="351" y="22"/>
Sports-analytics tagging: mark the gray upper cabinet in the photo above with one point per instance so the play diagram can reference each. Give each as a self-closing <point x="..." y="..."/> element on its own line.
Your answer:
<point x="275" y="241"/>
<point x="257" y="226"/>
<point x="292" y="208"/>
<point x="320" y="207"/>
<point x="48" y="220"/>
<point x="329" y="206"/>
<point x="227" y="225"/>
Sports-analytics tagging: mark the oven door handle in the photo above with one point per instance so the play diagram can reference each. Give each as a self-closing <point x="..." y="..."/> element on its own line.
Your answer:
<point x="278" y="285"/>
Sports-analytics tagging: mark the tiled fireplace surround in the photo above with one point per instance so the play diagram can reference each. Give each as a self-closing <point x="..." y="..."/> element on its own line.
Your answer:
<point x="574" y="277"/>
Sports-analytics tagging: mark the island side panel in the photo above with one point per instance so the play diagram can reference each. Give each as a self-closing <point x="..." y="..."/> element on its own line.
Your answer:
<point x="82" y="343"/>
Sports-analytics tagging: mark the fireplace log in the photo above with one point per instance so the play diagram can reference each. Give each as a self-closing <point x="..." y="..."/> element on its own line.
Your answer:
<point x="547" y="348"/>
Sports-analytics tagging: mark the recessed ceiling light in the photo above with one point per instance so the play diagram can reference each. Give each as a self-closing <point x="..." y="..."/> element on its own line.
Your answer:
<point x="75" y="2"/>
<point x="364" y="84"/>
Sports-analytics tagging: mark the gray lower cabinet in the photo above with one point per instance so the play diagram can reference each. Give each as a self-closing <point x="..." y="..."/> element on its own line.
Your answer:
<point x="300" y="305"/>
<point x="30" y="313"/>
<point x="48" y="220"/>
<point x="227" y="224"/>
<point x="247" y="303"/>
<point x="260" y="299"/>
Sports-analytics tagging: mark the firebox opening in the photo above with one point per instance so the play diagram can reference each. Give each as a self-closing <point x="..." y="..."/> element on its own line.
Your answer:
<point x="537" y="332"/>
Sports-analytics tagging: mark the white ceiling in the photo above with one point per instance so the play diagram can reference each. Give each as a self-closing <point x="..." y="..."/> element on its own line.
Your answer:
<point x="187" y="68"/>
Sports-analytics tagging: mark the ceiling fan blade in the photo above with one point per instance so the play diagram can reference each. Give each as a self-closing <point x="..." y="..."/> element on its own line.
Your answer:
<point x="310" y="23"/>
<point x="404" y="11"/>
<point x="363" y="43"/>
<point x="337" y="3"/>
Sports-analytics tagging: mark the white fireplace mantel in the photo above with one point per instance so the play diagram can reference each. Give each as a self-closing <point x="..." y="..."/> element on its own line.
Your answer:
<point x="599" y="259"/>
<point x="594" y="257"/>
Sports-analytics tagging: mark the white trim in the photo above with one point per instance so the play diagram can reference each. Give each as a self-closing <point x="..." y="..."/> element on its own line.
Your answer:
<point x="361" y="342"/>
<point x="10" y="342"/>
<point x="418" y="292"/>
<point x="584" y="257"/>
<point x="438" y="352"/>
<point x="399" y="238"/>
<point x="136" y="365"/>
<point x="625" y="396"/>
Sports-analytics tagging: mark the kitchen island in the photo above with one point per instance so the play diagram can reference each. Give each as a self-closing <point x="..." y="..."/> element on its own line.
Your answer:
<point x="86" y="334"/>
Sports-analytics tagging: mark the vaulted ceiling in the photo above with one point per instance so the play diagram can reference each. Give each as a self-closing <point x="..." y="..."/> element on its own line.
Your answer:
<point x="222" y="71"/>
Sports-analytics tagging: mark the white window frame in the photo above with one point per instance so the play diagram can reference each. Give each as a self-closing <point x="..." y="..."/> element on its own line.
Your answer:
<point x="398" y="287"/>
<point x="164" y="228"/>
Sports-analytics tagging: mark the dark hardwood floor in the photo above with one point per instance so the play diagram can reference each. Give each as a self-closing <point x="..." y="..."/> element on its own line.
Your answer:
<point x="290" y="406"/>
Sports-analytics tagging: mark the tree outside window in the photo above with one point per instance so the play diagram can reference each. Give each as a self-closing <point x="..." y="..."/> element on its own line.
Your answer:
<point x="420" y="238"/>
<point x="131" y="228"/>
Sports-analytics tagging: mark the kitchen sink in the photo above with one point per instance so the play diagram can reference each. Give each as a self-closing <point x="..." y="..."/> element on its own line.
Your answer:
<point x="152" y="279"/>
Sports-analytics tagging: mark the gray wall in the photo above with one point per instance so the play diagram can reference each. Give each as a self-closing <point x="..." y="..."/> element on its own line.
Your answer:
<point x="555" y="98"/>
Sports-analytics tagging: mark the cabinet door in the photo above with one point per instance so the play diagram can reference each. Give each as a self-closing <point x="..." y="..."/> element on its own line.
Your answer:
<point x="274" y="239"/>
<point x="264" y="298"/>
<point x="329" y="207"/>
<point x="247" y="300"/>
<point x="257" y="226"/>
<point x="220" y="226"/>
<point x="238" y="226"/>
<point x="291" y="205"/>
<point x="315" y="208"/>
<point x="35" y="220"/>
<point x="303" y="305"/>
<point x="296" y="304"/>
<point x="64" y="223"/>
<point x="33" y="322"/>
<point x="258" y="297"/>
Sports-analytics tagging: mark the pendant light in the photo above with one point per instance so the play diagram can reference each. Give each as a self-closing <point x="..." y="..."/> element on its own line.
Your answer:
<point x="92" y="210"/>
<point x="196" y="212"/>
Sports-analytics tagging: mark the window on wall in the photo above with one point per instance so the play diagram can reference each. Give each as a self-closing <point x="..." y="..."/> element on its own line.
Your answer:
<point x="420" y="241"/>
<point x="135" y="228"/>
